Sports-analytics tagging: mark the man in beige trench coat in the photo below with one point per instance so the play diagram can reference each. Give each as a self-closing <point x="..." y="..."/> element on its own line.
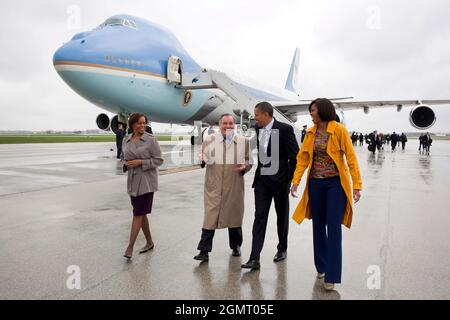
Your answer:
<point x="227" y="157"/>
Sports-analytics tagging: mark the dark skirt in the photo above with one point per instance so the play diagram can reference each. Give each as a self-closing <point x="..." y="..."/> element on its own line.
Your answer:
<point x="142" y="204"/>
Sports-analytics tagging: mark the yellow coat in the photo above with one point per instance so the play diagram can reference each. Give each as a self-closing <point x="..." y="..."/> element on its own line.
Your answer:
<point x="339" y="144"/>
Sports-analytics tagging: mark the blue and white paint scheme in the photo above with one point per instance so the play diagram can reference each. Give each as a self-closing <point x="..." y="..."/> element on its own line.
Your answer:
<point x="122" y="69"/>
<point x="121" y="66"/>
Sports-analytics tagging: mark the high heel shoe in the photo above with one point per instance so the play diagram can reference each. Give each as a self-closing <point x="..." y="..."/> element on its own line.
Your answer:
<point x="328" y="286"/>
<point x="128" y="256"/>
<point x="144" y="250"/>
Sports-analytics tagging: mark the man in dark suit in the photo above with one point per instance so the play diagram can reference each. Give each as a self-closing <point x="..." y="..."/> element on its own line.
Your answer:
<point x="303" y="133"/>
<point x="375" y="142"/>
<point x="277" y="158"/>
<point x="120" y="134"/>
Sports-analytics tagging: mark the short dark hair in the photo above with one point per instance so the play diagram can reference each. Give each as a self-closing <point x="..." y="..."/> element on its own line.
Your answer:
<point x="265" y="107"/>
<point x="325" y="109"/>
<point x="134" y="118"/>
<point x="226" y="115"/>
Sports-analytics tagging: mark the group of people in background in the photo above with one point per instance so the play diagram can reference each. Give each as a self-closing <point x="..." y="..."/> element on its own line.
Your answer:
<point x="358" y="138"/>
<point x="378" y="141"/>
<point x="332" y="184"/>
<point x="425" y="143"/>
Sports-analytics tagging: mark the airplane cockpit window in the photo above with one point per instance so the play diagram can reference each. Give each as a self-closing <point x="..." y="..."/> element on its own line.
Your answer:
<point x="119" y="22"/>
<point x="113" y="22"/>
<point x="133" y="25"/>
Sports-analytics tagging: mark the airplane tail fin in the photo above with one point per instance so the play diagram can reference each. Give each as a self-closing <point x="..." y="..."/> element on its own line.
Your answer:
<point x="292" y="80"/>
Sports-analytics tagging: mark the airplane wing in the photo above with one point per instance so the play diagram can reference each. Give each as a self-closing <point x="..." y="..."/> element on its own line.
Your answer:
<point x="301" y="107"/>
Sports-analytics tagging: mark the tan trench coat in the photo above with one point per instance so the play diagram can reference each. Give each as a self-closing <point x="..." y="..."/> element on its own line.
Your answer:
<point x="224" y="187"/>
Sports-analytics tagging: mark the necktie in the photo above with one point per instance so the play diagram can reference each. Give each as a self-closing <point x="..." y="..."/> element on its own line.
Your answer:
<point x="264" y="139"/>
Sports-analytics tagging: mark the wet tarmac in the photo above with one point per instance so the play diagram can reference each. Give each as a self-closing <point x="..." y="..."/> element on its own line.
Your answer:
<point x="65" y="205"/>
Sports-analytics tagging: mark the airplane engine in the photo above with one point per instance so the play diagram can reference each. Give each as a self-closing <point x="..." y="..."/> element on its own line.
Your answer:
<point x="114" y="124"/>
<point x="103" y="122"/>
<point x="422" y="117"/>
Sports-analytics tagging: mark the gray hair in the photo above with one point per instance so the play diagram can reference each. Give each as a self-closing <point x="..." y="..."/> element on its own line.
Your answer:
<point x="226" y="115"/>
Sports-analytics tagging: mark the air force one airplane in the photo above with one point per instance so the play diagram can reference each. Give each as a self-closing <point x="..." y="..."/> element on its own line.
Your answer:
<point x="128" y="64"/>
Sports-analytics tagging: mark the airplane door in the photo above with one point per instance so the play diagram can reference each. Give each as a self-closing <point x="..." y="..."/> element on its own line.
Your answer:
<point x="174" y="70"/>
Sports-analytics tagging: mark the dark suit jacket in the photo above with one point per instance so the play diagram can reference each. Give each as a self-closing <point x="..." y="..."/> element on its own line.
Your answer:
<point x="119" y="137"/>
<point x="288" y="149"/>
<point x="374" y="141"/>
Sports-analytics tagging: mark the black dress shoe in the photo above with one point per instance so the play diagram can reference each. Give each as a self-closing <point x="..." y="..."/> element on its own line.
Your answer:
<point x="251" y="264"/>
<point x="202" y="256"/>
<point x="280" y="256"/>
<point x="236" y="252"/>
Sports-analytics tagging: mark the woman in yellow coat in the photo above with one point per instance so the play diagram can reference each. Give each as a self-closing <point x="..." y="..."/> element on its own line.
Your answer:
<point x="327" y="198"/>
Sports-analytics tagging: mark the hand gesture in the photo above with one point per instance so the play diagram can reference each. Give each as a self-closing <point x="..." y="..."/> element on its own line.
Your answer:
<point x="294" y="188"/>
<point x="356" y="195"/>
<point x="133" y="163"/>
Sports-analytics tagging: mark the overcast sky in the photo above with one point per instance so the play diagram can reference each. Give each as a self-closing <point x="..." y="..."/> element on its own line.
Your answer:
<point x="370" y="49"/>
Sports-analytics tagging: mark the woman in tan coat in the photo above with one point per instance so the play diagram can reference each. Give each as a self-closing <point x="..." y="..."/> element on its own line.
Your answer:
<point x="227" y="158"/>
<point x="141" y="156"/>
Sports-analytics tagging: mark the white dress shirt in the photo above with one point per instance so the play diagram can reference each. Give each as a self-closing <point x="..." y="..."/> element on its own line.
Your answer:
<point x="264" y="135"/>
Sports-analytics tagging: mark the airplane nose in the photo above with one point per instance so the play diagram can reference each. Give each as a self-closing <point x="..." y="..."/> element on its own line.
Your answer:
<point x="67" y="52"/>
<point x="69" y="60"/>
<point x="75" y="62"/>
<point x="73" y="50"/>
<point x="72" y="54"/>
<point x="59" y="55"/>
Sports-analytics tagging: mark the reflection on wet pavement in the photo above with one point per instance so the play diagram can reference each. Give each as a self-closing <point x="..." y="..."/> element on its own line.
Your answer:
<point x="67" y="205"/>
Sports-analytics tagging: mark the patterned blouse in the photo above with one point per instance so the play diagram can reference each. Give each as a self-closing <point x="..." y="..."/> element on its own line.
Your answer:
<point x="323" y="166"/>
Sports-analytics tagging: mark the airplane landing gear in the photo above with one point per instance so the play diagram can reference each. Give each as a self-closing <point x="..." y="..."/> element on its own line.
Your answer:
<point x="197" y="138"/>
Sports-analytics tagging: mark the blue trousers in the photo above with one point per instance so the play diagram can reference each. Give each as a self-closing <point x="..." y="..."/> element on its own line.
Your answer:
<point x="327" y="201"/>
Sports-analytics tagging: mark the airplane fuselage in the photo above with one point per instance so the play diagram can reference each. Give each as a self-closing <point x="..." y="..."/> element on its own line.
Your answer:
<point x="121" y="66"/>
